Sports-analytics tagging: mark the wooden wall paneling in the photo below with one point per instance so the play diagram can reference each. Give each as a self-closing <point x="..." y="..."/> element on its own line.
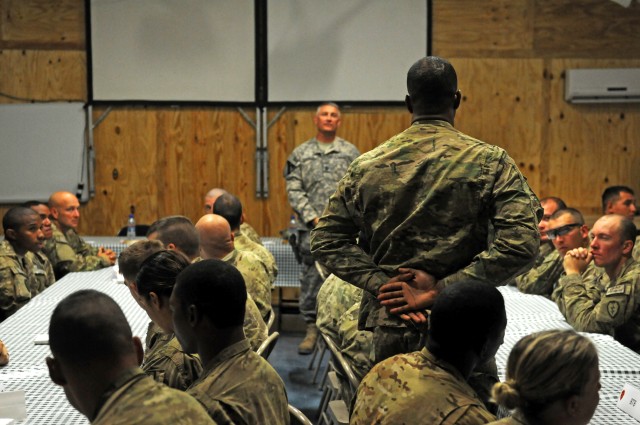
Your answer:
<point x="586" y="28"/>
<point x="38" y="24"/>
<point x="502" y="105"/>
<point x="592" y="146"/>
<point x="469" y="28"/>
<point x="125" y="141"/>
<point x="47" y="75"/>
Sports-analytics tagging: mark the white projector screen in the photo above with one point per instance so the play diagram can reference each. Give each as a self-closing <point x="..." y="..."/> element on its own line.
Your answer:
<point x="356" y="50"/>
<point x="173" y="50"/>
<point x="42" y="148"/>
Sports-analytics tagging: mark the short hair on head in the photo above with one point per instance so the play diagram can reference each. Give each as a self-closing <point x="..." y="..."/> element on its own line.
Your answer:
<point x="335" y="105"/>
<point x="559" y="202"/>
<point x="545" y="367"/>
<point x="159" y="271"/>
<point x="628" y="230"/>
<point x="612" y="194"/>
<point x="229" y="207"/>
<point x="15" y="216"/>
<point x="574" y="213"/>
<point x="432" y="83"/>
<point x="89" y="326"/>
<point x="178" y="230"/>
<point x="465" y="314"/>
<point x="216" y="288"/>
<point x="33" y="203"/>
<point x="131" y="258"/>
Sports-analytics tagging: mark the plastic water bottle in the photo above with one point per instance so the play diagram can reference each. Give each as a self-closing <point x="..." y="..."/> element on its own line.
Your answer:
<point x="131" y="227"/>
<point x="293" y="227"/>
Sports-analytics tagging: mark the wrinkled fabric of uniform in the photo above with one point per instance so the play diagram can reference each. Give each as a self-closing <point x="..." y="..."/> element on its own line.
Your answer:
<point x="597" y="304"/>
<point x="140" y="400"/>
<point x="516" y="419"/>
<point x="250" y="232"/>
<point x="255" y="278"/>
<point x="312" y="175"/>
<point x="427" y="199"/>
<point x="355" y="345"/>
<point x="240" y="387"/>
<point x="417" y="388"/>
<point x="255" y="328"/>
<point x="335" y="297"/>
<point x="18" y="282"/>
<point x="69" y="253"/>
<point x="165" y="361"/>
<point x="543" y="278"/>
<point x="42" y="270"/>
<point x="243" y="243"/>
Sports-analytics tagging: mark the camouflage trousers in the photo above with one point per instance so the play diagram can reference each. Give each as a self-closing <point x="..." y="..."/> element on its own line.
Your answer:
<point x="389" y="341"/>
<point x="310" y="280"/>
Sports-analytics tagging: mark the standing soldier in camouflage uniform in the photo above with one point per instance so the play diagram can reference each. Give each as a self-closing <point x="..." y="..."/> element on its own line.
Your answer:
<point x="426" y="199"/>
<point x="237" y="386"/>
<point x="19" y="281"/>
<point x="621" y="200"/>
<point x="312" y="173"/>
<point x="96" y="358"/>
<point x="431" y="386"/>
<point x="66" y="250"/>
<point x="607" y="303"/>
<point x="567" y="231"/>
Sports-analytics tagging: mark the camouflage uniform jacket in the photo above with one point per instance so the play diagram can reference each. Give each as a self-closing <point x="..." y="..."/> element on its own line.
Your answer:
<point x="250" y="232"/>
<point x="240" y="387"/>
<point x="166" y="362"/>
<point x="614" y="310"/>
<point x="546" y="248"/>
<point x="426" y="199"/>
<point x="516" y="419"/>
<point x="69" y="253"/>
<point x="334" y="299"/>
<point x="42" y="269"/>
<point x="140" y="400"/>
<point x="18" y="283"/>
<point x="255" y="328"/>
<point x="255" y="278"/>
<point x="594" y="274"/>
<point x="543" y="278"/>
<point x="312" y="175"/>
<point x="243" y="243"/>
<point x="417" y="388"/>
<point x="356" y="345"/>
<point x="636" y="250"/>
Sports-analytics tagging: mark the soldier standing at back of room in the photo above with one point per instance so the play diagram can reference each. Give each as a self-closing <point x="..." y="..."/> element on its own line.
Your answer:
<point x="312" y="173"/>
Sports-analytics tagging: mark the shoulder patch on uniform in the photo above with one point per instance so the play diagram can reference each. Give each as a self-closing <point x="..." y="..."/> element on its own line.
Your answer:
<point x="613" y="308"/>
<point x="618" y="289"/>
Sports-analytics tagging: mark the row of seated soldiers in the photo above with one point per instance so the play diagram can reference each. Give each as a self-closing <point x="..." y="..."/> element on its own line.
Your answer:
<point x="593" y="275"/>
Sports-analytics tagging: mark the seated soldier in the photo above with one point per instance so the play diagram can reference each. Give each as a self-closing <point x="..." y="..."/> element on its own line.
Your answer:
<point x="20" y="280"/>
<point x="355" y="345"/>
<point x="42" y="267"/>
<point x="550" y="205"/>
<point x="246" y="229"/>
<point x="4" y="354"/>
<point x="566" y="230"/>
<point x="177" y="233"/>
<point x="164" y="360"/>
<point x="334" y="299"/>
<point x="621" y="200"/>
<point x="216" y="241"/>
<point x="95" y="359"/>
<point x="66" y="250"/>
<point x="544" y="391"/>
<point x="238" y="386"/>
<point x="229" y="207"/>
<point x="608" y="302"/>
<point x="467" y="325"/>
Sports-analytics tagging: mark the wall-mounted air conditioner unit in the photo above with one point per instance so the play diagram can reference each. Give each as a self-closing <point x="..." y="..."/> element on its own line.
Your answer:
<point x="608" y="85"/>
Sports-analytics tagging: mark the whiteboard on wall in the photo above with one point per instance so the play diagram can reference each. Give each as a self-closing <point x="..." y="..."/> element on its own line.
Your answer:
<point x="172" y="50"/>
<point x="42" y="149"/>
<point x="356" y="50"/>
